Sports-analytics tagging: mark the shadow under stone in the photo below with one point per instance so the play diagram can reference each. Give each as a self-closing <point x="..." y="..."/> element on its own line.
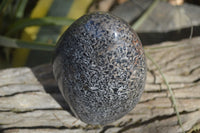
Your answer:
<point x="44" y="75"/>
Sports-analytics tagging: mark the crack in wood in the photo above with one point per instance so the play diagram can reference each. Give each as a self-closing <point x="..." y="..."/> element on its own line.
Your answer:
<point x="148" y="100"/>
<point x="155" y="91"/>
<point x="177" y="57"/>
<point x="17" y="93"/>
<point x="41" y="127"/>
<point x="153" y="74"/>
<point x="17" y="111"/>
<point x="105" y="128"/>
<point x="185" y="86"/>
<point x="185" y="74"/>
<point x="197" y="80"/>
<point x="14" y="84"/>
<point x="156" y="118"/>
<point x="194" y="69"/>
<point x="189" y="82"/>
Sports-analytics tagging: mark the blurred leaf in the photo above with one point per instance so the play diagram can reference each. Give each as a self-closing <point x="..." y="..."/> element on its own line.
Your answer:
<point x="40" y="10"/>
<point x="3" y="3"/>
<point x="61" y="21"/>
<point x="15" y="43"/>
<point x="139" y="22"/>
<point x="48" y="34"/>
<point x="78" y="8"/>
<point x="21" y="7"/>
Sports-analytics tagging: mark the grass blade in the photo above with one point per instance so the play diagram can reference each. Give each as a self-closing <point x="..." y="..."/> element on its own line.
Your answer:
<point x="20" y="9"/>
<point x="169" y="89"/>
<point x="139" y="22"/>
<point x="15" y="43"/>
<point x="2" y="5"/>
<point x="22" y="23"/>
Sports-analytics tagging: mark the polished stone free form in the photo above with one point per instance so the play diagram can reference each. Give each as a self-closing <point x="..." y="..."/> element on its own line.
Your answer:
<point x="100" y="68"/>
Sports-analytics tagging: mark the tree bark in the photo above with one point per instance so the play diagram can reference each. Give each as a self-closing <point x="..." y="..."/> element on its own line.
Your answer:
<point x="31" y="102"/>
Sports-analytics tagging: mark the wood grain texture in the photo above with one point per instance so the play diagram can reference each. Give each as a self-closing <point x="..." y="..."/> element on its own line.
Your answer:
<point x="31" y="102"/>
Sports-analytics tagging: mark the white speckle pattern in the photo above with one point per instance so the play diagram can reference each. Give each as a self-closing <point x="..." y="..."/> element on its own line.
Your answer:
<point x="100" y="68"/>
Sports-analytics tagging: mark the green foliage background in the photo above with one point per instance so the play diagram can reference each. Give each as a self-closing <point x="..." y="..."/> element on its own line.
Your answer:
<point x="30" y="28"/>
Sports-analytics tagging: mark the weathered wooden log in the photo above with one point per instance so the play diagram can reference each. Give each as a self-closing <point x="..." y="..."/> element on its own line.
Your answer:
<point x="31" y="102"/>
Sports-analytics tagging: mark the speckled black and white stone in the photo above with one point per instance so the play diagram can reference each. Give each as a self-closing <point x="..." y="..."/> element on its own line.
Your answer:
<point x="100" y="68"/>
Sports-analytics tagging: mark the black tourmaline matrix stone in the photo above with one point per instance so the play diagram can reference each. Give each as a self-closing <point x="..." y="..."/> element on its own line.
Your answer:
<point x="100" y="68"/>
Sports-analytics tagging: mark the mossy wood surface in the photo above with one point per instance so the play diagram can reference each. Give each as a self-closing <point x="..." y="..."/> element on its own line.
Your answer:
<point x="30" y="100"/>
